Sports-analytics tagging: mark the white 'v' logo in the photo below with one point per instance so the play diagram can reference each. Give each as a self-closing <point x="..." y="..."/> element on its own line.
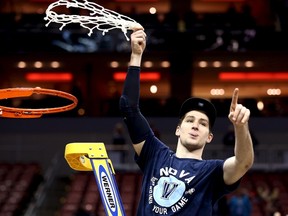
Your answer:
<point x="168" y="189"/>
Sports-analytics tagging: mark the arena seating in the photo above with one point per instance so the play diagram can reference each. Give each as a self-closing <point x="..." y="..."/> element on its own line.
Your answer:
<point x="83" y="194"/>
<point x="18" y="183"/>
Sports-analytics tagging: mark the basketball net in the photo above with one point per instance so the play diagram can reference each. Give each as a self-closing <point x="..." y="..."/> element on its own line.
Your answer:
<point x="99" y="17"/>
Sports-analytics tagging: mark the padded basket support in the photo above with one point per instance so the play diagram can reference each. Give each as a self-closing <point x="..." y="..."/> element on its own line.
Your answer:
<point x="94" y="157"/>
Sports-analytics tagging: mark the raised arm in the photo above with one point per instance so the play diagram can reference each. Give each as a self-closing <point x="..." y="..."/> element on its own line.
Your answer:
<point x="137" y="125"/>
<point x="235" y="167"/>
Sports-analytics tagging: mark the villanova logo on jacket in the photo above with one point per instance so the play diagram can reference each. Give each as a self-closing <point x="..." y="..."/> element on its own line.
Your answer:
<point x="166" y="194"/>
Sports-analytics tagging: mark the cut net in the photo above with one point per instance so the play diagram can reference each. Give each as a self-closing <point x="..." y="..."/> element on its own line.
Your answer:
<point x="99" y="17"/>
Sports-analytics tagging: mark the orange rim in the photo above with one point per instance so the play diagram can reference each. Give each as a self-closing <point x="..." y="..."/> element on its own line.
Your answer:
<point x="11" y="112"/>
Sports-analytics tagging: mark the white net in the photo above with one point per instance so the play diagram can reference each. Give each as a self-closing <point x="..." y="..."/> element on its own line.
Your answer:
<point x="99" y="17"/>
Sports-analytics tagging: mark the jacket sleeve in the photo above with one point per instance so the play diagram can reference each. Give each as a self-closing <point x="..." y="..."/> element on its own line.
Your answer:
<point x="138" y="126"/>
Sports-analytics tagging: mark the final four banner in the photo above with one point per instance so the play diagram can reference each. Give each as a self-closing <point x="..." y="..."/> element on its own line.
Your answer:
<point x="93" y="157"/>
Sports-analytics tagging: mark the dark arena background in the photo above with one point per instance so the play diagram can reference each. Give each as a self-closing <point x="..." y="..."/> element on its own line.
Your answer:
<point x="203" y="48"/>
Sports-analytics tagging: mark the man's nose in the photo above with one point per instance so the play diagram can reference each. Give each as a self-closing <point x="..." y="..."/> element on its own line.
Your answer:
<point x="195" y="125"/>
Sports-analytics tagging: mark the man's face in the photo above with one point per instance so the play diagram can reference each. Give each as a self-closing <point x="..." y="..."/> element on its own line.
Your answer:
<point x="194" y="130"/>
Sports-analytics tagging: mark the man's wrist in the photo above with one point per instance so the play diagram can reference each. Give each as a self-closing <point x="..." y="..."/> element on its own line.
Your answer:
<point x="135" y="60"/>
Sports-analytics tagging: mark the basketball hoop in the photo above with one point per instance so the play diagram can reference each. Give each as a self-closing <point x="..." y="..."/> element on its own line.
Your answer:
<point x="11" y="112"/>
<point x="99" y="17"/>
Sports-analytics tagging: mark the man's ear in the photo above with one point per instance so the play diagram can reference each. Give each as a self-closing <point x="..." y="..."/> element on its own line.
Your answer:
<point x="210" y="137"/>
<point x="177" y="130"/>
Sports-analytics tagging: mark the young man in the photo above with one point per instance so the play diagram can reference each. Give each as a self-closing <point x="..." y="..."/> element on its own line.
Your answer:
<point x="182" y="183"/>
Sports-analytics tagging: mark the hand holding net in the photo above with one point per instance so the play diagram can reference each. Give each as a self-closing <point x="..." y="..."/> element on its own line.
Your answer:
<point x="99" y="17"/>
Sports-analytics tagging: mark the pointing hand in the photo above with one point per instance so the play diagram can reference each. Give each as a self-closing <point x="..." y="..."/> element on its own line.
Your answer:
<point x="239" y="114"/>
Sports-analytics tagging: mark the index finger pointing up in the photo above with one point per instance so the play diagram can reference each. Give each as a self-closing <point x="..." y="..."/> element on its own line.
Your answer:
<point x="234" y="100"/>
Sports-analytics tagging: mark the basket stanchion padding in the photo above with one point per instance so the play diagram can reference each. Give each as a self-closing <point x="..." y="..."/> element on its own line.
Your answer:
<point x="94" y="157"/>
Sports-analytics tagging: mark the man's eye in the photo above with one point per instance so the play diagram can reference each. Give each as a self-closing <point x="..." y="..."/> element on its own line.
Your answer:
<point x="204" y="124"/>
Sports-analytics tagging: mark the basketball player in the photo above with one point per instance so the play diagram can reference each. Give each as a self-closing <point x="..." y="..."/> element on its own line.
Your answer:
<point x="181" y="182"/>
